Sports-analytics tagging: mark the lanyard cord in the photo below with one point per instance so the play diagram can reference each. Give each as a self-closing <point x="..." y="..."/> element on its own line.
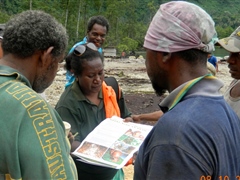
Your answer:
<point x="188" y="86"/>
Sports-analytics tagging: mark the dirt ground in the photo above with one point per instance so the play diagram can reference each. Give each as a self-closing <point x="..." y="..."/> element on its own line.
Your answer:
<point x="132" y="78"/>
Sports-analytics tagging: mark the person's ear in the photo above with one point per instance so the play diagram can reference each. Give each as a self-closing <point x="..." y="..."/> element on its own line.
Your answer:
<point x="46" y="55"/>
<point x="166" y="56"/>
<point x="48" y="51"/>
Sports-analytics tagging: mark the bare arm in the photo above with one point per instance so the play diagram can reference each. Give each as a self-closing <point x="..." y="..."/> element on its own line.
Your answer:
<point x="217" y="67"/>
<point x="153" y="116"/>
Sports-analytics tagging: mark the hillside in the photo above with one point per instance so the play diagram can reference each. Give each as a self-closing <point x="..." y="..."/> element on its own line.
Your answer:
<point x="128" y="20"/>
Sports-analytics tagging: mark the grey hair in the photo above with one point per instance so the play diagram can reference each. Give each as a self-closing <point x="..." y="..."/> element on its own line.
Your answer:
<point x="31" y="31"/>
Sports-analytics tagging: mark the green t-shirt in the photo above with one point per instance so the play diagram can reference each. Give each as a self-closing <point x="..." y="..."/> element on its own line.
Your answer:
<point x="84" y="116"/>
<point x="32" y="136"/>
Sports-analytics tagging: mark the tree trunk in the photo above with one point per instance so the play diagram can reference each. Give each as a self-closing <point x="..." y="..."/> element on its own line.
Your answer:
<point x="30" y="4"/>
<point x="66" y="18"/>
<point x="78" y="20"/>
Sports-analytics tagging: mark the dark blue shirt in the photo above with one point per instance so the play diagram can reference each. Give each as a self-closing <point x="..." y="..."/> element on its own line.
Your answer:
<point x="197" y="139"/>
<point x="213" y="61"/>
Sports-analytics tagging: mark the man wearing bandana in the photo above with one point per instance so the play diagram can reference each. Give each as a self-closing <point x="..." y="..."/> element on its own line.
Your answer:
<point x="198" y="135"/>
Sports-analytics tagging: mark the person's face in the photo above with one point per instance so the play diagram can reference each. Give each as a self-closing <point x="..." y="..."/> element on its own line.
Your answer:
<point x="97" y="35"/>
<point x="137" y="134"/>
<point x="234" y="65"/>
<point x="92" y="76"/>
<point x="115" y="156"/>
<point x="45" y="77"/>
<point x="156" y="74"/>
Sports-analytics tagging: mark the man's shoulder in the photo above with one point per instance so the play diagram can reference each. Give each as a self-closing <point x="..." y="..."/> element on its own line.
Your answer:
<point x="213" y="58"/>
<point x="22" y="98"/>
<point x="79" y="43"/>
<point x="199" y="113"/>
<point x="84" y="41"/>
<point x="194" y="109"/>
<point x="12" y="86"/>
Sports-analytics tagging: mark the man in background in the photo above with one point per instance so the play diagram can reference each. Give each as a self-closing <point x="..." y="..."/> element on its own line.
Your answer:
<point x="197" y="137"/>
<point x="97" y="29"/>
<point x="232" y="45"/>
<point x="213" y="60"/>
<point x="32" y="135"/>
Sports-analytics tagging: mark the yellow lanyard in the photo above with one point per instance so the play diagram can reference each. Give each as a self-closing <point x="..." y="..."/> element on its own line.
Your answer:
<point x="185" y="89"/>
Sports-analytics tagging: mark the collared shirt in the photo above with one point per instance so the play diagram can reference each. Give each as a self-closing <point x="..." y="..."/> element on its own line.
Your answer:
<point x="84" y="116"/>
<point x="32" y="135"/>
<point x="198" y="137"/>
<point x="188" y="88"/>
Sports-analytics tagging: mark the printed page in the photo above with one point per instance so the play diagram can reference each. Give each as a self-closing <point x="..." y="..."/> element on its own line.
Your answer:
<point x="112" y="143"/>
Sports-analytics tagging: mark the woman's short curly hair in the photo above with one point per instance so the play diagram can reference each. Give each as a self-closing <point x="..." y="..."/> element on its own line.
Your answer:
<point x="76" y="63"/>
<point x="31" y="31"/>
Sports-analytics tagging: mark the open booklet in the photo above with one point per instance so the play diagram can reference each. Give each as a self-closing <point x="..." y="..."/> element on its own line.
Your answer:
<point x="112" y="143"/>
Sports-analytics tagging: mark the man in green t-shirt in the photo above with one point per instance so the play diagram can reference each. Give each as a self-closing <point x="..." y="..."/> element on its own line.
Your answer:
<point x="32" y="135"/>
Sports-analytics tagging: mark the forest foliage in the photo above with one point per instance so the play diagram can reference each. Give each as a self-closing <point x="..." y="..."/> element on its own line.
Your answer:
<point x="129" y="19"/>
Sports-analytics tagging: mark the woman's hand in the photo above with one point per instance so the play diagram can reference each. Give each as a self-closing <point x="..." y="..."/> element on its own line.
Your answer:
<point x="128" y="119"/>
<point x="136" y="118"/>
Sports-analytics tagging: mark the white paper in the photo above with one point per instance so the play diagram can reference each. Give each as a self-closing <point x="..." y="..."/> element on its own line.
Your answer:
<point x="112" y="143"/>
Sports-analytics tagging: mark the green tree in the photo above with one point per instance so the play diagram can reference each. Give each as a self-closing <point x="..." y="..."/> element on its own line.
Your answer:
<point x="127" y="44"/>
<point x="224" y="32"/>
<point x="127" y="18"/>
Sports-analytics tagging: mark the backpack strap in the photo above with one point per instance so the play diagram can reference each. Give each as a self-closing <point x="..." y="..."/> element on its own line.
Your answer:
<point x="111" y="81"/>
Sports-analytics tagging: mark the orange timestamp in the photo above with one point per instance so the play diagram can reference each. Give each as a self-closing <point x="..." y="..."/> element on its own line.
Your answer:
<point x="219" y="178"/>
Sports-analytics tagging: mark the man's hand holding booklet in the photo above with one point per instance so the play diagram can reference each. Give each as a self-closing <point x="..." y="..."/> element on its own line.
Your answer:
<point x="112" y="143"/>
